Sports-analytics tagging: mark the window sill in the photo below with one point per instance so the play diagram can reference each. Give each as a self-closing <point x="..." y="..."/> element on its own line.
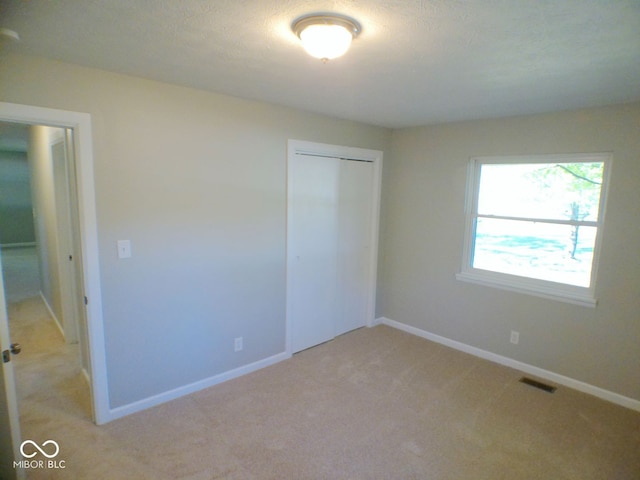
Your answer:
<point x="522" y="285"/>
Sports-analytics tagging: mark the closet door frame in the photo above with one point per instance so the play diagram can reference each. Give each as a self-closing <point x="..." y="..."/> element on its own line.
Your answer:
<point x="300" y="147"/>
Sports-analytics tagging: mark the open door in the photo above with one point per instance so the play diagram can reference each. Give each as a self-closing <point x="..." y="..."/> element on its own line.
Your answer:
<point x="69" y="291"/>
<point x="10" y="424"/>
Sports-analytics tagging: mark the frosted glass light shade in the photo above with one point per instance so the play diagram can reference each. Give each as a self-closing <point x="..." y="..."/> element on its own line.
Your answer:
<point x="326" y="41"/>
<point x="326" y="37"/>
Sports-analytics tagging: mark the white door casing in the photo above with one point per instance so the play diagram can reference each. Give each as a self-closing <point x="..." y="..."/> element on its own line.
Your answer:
<point x="80" y="123"/>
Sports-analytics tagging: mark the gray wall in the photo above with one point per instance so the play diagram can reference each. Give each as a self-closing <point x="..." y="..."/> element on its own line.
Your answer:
<point x="197" y="182"/>
<point x="423" y="202"/>
<point x="16" y="217"/>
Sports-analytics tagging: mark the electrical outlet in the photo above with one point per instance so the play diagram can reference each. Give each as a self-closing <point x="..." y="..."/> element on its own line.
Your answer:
<point x="237" y="344"/>
<point x="124" y="248"/>
<point x="515" y="337"/>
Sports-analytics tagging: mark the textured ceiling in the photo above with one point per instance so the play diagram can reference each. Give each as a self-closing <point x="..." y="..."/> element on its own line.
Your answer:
<point x="415" y="63"/>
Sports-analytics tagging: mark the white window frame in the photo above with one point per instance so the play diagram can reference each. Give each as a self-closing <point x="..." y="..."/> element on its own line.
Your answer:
<point x="542" y="288"/>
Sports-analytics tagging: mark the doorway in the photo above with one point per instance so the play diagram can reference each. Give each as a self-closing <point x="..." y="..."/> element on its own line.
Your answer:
<point x="38" y="225"/>
<point x="77" y="125"/>
<point x="333" y="203"/>
<point x="41" y="279"/>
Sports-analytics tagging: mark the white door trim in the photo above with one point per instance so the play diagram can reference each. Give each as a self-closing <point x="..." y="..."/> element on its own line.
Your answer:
<point x="297" y="147"/>
<point x="83" y="145"/>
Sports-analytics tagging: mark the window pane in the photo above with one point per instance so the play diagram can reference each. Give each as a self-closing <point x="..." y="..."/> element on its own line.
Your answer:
<point x="557" y="253"/>
<point x="558" y="191"/>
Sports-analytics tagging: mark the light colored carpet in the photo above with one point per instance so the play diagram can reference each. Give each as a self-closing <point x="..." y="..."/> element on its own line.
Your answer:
<point x="372" y="404"/>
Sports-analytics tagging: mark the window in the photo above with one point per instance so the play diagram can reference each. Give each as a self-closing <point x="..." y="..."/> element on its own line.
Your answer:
<point x="534" y="224"/>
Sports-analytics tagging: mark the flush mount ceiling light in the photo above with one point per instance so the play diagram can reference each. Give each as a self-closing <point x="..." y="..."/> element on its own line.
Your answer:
<point x="326" y="36"/>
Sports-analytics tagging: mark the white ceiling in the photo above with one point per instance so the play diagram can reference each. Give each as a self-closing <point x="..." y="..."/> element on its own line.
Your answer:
<point x="416" y="62"/>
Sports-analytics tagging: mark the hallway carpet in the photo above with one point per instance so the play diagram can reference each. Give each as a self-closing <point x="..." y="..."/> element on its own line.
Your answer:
<point x="372" y="404"/>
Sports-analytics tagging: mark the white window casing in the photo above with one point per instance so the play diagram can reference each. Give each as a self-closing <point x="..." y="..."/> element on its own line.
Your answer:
<point x="558" y="290"/>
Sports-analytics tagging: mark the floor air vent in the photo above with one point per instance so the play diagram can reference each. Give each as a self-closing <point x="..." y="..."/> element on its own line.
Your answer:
<point x="540" y="385"/>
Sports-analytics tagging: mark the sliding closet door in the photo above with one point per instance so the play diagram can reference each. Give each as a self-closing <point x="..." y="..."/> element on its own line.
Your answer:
<point x="354" y="234"/>
<point x="332" y="220"/>
<point x="312" y="249"/>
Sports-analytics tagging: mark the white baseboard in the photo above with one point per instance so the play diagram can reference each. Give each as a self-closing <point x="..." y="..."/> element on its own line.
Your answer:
<point x="164" y="397"/>
<point x="53" y="315"/>
<point x="376" y="321"/>
<point x="515" y="364"/>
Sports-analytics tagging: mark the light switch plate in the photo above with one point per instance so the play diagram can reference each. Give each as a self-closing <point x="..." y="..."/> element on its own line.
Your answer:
<point x="124" y="248"/>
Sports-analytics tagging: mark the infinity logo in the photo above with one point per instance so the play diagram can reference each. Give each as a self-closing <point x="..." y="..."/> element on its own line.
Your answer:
<point x="31" y="455"/>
